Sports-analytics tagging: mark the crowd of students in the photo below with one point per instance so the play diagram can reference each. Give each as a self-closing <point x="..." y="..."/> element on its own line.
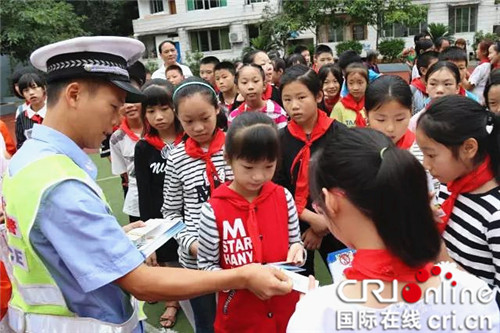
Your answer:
<point x="268" y="161"/>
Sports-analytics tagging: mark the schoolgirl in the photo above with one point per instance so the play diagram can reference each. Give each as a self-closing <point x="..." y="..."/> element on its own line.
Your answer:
<point x="309" y="130"/>
<point x="194" y="169"/>
<point x="250" y="220"/>
<point x="492" y="92"/>
<point x="479" y="77"/>
<point x="331" y="80"/>
<point x="250" y="82"/>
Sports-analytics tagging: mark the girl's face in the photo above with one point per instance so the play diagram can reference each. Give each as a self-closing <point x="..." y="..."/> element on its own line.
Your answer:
<point x="160" y="117"/>
<point x="261" y="59"/>
<point x="442" y="83"/>
<point x="250" y="176"/>
<point x="34" y="94"/>
<point x="250" y="84"/>
<point x="356" y="84"/>
<point x="174" y="77"/>
<point x="331" y="87"/>
<point x="390" y="118"/>
<point x="198" y="117"/>
<point x="299" y="102"/>
<point x="493" y="55"/>
<point x="439" y="159"/>
<point x="494" y="98"/>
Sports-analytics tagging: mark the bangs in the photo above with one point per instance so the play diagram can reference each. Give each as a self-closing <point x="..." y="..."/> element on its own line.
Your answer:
<point x="256" y="143"/>
<point x="157" y="95"/>
<point x="30" y="80"/>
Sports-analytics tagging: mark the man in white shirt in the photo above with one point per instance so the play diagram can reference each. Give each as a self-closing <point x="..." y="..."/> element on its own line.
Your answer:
<point x="168" y="54"/>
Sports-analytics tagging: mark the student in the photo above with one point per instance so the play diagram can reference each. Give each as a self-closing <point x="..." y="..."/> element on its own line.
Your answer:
<point x="494" y="55"/>
<point x="250" y="81"/>
<point x="350" y="110"/>
<point x="295" y="59"/>
<point x="492" y="92"/>
<point x="266" y="221"/>
<point x="279" y="68"/>
<point x="443" y="79"/>
<point x="460" y="142"/>
<point x="308" y="131"/>
<point x="478" y="78"/>
<point x="168" y="53"/>
<point x="418" y="85"/>
<point x="322" y="55"/>
<point x="34" y="90"/>
<point x="361" y="185"/>
<point x="15" y="87"/>
<point x="224" y="80"/>
<point x="174" y="75"/>
<point x="331" y="80"/>
<point x="461" y="43"/>
<point x="441" y="44"/>
<point x="371" y="61"/>
<point x="194" y="169"/>
<point x="421" y="46"/>
<point x="74" y="244"/>
<point x="162" y="131"/>
<point x="347" y="58"/>
<point x="457" y="56"/>
<point x="304" y="52"/>
<point x="207" y="70"/>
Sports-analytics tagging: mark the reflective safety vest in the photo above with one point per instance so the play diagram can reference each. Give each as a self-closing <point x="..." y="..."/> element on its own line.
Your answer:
<point x="37" y="303"/>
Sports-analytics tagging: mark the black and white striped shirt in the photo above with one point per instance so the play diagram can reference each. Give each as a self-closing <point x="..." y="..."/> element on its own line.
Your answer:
<point x="472" y="235"/>
<point x="209" y="238"/>
<point x="185" y="189"/>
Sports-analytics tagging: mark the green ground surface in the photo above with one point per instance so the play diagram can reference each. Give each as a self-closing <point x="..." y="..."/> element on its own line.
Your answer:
<point x="111" y="186"/>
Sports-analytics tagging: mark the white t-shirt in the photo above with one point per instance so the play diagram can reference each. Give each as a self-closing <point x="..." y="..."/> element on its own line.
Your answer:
<point x="160" y="72"/>
<point x="414" y="72"/>
<point x="321" y="310"/>
<point x="478" y="78"/>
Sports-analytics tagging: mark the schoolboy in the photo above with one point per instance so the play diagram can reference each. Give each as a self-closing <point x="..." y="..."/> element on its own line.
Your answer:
<point x="458" y="56"/>
<point x="279" y="68"/>
<point x="418" y="85"/>
<point x="349" y="57"/>
<point x="69" y="248"/>
<point x="174" y="74"/>
<point x="322" y="55"/>
<point x="224" y="80"/>
<point x="207" y="66"/>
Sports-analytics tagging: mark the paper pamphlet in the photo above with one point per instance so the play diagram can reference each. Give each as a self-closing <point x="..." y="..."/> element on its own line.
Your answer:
<point x="338" y="261"/>
<point x="300" y="283"/>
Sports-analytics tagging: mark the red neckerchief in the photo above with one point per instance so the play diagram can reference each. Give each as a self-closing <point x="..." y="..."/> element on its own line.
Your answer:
<point x="483" y="61"/>
<point x="194" y="150"/>
<point x="381" y="265"/>
<point x="268" y="93"/>
<point x="461" y="92"/>
<point x="406" y="140"/>
<point x="244" y="108"/>
<point x="158" y="143"/>
<point x="350" y="103"/>
<point x="417" y="83"/>
<point x="304" y="155"/>
<point x="36" y="117"/>
<point x="468" y="183"/>
<point x="330" y="103"/>
<point x="124" y="127"/>
<point x="315" y="68"/>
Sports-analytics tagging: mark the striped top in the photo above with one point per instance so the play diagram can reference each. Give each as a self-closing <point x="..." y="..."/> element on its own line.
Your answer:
<point x="208" y="251"/>
<point x="472" y="235"/>
<point x="185" y="189"/>
<point x="271" y="109"/>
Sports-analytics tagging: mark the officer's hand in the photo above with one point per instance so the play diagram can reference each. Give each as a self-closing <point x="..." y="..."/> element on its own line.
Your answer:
<point x="266" y="281"/>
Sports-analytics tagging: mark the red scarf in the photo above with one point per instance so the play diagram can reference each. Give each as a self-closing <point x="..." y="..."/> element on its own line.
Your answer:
<point x="350" y="103"/>
<point x="381" y="265"/>
<point x="406" y="140"/>
<point x="36" y="117"/>
<point x="462" y="91"/>
<point x="304" y="155"/>
<point x="158" y="143"/>
<point x="194" y="150"/>
<point x="244" y="108"/>
<point x="124" y="127"/>
<point x="419" y="84"/>
<point x="330" y="103"/>
<point x="484" y="60"/>
<point x="468" y="183"/>
<point x="268" y="93"/>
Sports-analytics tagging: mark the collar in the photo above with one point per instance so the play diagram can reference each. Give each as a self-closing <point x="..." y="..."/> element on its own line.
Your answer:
<point x="40" y="112"/>
<point x="64" y="145"/>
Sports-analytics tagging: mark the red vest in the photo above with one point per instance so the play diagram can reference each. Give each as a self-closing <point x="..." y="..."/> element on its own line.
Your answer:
<point x="241" y="310"/>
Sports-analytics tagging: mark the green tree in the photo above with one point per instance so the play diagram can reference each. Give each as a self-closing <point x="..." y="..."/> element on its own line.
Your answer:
<point x="28" y="25"/>
<point x="438" y="30"/>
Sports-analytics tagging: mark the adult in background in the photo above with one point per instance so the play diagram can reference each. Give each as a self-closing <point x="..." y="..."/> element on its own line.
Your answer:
<point x="169" y="54"/>
<point x="479" y="77"/>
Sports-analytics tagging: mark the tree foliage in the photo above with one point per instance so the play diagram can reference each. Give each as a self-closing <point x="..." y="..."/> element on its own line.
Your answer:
<point x="349" y="45"/>
<point x="437" y="30"/>
<point x="390" y="49"/>
<point x="28" y="25"/>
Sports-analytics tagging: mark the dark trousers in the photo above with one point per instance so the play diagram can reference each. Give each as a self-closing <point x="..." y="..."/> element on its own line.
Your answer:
<point x="204" y="308"/>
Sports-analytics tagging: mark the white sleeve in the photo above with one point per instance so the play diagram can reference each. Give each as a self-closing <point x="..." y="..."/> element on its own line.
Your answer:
<point x="478" y="73"/>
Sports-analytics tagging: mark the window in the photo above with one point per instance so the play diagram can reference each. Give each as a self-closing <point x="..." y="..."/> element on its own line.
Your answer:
<point x="358" y="32"/>
<point x="253" y="31"/>
<point x="210" y="40"/>
<point x="417" y="28"/>
<point x="249" y="2"/>
<point x="171" y="7"/>
<point x="400" y="30"/>
<point x="155" y="6"/>
<point x="463" y="19"/>
<point x="205" y="4"/>
<point x="335" y="34"/>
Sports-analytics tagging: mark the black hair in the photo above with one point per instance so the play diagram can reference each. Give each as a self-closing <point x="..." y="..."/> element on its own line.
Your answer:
<point x="425" y="59"/>
<point x="163" y="43"/>
<point x="453" y="53"/>
<point x="423" y="45"/>
<point x="451" y="120"/>
<point x="209" y="60"/>
<point x="322" y="48"/>
<point x="484" y="47"/>
<point x="229" y="66"/>
<point x="259" y="68"/>
<point x="158" y="94"/>
<point x="278" y="64"/>
<point x="295" y="59"/>
<point x="17" y="75"/>
<point x="330" y="68"/>
<point x="444" y="64"/>
<point x="497" y="45"/>
<point x="421" y="35"/>
<point x="348" y="57"/>
<point x="387" y="88"/>
<point x="137" y="73"/>
<point x="252" y="136"/>
<point x="371" y="55"/>
<point x="174" y="67"/>
<point x="204" y="89"/>
<point x="54" y="88"/>
<point x="359" y="68"/>
<point x="31" y="80"/>
<point x="439" y="41"/>
<point x="249" y="57"/>
<point x="160" y="82"/>
<point x="375" y="176"/>
<point x="300" y="48"/>
<point x="493" y="80"/>
<point x="304" y="75"/>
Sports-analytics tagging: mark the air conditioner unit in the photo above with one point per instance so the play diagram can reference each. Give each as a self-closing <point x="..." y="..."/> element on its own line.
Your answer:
<point x="235" y="37"/>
